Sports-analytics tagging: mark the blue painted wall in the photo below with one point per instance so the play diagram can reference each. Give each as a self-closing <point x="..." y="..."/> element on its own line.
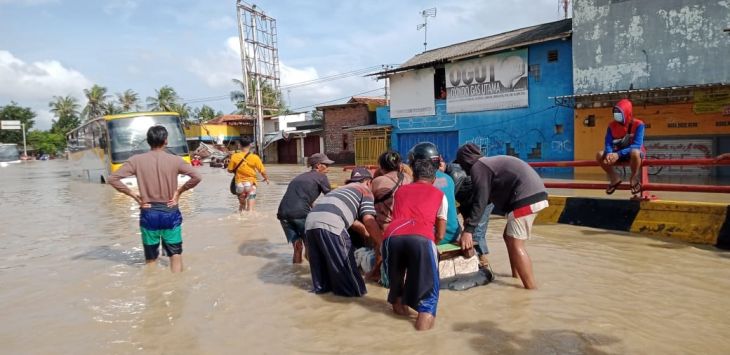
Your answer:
<point x="520" y="131"/>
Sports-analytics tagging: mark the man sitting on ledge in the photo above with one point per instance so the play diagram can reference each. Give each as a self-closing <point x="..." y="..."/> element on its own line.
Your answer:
<point x="624" y="142"/>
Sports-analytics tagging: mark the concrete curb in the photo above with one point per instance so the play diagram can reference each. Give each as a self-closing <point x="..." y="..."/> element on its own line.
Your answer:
<point x="692" y="222"/>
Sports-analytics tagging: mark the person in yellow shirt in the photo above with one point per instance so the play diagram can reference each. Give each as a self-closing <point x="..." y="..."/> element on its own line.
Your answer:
<point x="245" y="164"/>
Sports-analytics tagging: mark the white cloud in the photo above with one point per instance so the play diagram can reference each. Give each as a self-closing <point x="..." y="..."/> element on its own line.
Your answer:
<point x="217" y="69"/>
<point x="35" y="84"/>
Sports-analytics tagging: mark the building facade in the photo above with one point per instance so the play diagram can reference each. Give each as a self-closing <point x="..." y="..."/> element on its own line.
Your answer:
<point x="497" y="92"/>
<point x="339" y="144"/>
<point x="670" y="58"/>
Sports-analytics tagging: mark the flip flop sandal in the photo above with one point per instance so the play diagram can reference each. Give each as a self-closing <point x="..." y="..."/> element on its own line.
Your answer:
<point x="636" y="188"/>
<point x="612" y="187"/>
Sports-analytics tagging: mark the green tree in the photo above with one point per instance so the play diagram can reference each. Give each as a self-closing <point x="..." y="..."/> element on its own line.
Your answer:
<point x="182" y="109"/>
<point x="129" y="101"/>
<point x="96" y="97"/>
<point x="46" y="142"/>
<point x="110" y="108"/>
<point x="163" y="100"/>
<point x="13" y="112"/>
<point x="66" y="110"/>
<point x="272" y="101"/>
<point x="316" y="115"/>
<point x="206" y="113"/>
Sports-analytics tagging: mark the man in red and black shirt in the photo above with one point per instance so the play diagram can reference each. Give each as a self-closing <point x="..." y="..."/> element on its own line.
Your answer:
<point x="409" y="248"/>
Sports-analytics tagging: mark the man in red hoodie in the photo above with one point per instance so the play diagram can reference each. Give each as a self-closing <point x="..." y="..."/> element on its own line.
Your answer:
<point x="624" y="142"/>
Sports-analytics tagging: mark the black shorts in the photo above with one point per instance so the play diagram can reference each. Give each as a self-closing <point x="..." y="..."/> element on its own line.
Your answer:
<point x="151" y="252"/>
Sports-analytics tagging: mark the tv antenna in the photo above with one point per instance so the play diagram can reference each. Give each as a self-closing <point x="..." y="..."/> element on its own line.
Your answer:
<point x="426" y="14"/>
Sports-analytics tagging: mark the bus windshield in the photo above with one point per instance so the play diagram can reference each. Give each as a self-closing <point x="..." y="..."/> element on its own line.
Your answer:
<point x="9" y="152"/>
<point x="129" y="136"/>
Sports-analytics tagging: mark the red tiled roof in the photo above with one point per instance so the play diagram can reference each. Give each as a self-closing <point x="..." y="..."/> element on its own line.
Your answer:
<point x="226" y="119"/>
<point x="377" y="101"/>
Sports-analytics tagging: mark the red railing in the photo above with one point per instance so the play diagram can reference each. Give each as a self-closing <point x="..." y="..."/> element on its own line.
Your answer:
<point x="645" y="184"/>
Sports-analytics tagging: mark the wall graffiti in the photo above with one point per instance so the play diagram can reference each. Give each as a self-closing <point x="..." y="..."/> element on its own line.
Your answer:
<point x="560" y="146"/>
<point x="679" y="149"/>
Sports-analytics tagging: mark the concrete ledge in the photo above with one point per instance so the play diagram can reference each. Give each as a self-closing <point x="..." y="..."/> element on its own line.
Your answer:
<point x="693" y="222"/>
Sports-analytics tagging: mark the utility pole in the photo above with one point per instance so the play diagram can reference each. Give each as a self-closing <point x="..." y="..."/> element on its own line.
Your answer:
<point x="25" y="146"/>
<point x="426" y="14"/>
<point x="565" y="4"/>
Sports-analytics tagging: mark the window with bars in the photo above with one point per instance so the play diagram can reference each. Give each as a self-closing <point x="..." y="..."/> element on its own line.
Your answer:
<point x="535" y="71"/>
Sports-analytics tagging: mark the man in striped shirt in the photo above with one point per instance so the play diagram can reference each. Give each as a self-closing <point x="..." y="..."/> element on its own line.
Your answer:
<point x="331" y="257"/>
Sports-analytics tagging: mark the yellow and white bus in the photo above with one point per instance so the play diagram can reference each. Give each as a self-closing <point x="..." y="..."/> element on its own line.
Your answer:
<point x="100" y="147"/>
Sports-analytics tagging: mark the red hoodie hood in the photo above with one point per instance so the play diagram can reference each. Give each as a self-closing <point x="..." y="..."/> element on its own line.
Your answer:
<point x="627" y="109"/>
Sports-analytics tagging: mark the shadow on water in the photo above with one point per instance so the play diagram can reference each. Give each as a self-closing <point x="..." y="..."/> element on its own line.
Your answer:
<point x="375" y="305"/>
<point x="278" y="270"/>
<point x="128" y="257"/>
<point x="261" y="248"/>
<point x="490" y="339"/>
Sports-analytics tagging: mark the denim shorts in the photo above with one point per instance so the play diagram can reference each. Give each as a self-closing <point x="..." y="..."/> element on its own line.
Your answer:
<point x="293" y="229"/>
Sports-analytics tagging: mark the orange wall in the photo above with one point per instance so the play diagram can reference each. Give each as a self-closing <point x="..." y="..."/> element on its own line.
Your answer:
<point x="674" y="120"/>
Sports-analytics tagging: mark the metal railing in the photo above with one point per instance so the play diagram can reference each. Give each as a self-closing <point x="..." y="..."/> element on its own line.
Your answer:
<point x="646" y="185"/>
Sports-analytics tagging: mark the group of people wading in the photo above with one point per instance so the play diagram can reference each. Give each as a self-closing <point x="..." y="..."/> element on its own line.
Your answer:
<point x="402" y="211"/>
<point x="406" y="210"/>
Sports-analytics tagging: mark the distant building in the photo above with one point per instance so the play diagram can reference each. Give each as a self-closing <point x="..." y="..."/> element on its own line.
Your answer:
<point x="670" y="58"/>
<point x="495" y="91"/>
<point x="339" y="144"/>
<point x="291" y="138"/>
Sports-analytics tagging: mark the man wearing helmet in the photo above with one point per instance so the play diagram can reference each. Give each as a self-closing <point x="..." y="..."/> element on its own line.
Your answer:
<point x="429" y="151"/>
<point x="513" y="187"/>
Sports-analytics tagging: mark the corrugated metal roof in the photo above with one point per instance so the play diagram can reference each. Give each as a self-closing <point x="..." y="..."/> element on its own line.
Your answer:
<point x="512" y="39"/>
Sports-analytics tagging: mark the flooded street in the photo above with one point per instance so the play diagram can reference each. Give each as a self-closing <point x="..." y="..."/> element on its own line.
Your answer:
<point x="74" y="281"/>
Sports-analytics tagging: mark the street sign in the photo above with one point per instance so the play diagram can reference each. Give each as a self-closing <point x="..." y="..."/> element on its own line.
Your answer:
<point x="9" y="124"/>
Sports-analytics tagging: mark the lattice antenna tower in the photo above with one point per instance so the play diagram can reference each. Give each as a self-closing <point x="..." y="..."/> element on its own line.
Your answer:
<point x="426" y="14"/>
<point x="259" y="64"/>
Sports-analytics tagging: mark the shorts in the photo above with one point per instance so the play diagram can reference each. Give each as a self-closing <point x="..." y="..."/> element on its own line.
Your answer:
<point x="519" y="221"/>
<point x="628" y="157"/>
<point x="412" y="267"/>
<point x="332" y="263"/>
<point x="160" y="224"/>
<point x="246" y="187"/>
<point x="293" y="229"/>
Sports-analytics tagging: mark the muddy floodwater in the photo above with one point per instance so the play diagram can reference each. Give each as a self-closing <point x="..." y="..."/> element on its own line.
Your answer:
<point x="73" y="281"/>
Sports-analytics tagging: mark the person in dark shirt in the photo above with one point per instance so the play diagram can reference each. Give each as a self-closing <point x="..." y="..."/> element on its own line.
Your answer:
<point x="463" y="194"/>
<point x="298" y="199"/>
<point x="514" y="188"/>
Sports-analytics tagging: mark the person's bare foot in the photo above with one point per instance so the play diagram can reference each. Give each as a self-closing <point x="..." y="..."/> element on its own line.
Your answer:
<point x="400" y="309"/>
<point x="425" y="321"/>
<point x="298" y="248"/>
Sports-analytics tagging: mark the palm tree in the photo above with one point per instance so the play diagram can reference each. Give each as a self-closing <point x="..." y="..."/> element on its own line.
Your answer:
<point x="129" y="101"/>
<point x="163" y="100"/>
<point x="66" y="110"/>
<point x="109" y="108"/>
<point x="64" y="106"/>
<point x="96" y="96"/>
<point x="238" y="97"/>
<point x="182" y="109"/>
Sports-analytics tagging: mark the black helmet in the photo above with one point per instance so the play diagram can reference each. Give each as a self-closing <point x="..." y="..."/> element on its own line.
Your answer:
<point x="425" y="150"/>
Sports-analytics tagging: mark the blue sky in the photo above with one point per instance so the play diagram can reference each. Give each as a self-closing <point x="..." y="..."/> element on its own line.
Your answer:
<point x="59" y="47"/>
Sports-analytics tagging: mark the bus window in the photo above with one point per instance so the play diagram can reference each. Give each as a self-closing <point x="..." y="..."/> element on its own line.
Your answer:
<point x="128" y="136"/>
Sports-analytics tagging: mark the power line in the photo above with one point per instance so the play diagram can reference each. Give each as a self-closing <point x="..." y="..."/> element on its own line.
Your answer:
<point x="300" y="84"/>
<point x="338" y="99"/>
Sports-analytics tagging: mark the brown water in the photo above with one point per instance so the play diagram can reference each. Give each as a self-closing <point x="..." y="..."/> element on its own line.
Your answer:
<point x="73" y="281"/>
